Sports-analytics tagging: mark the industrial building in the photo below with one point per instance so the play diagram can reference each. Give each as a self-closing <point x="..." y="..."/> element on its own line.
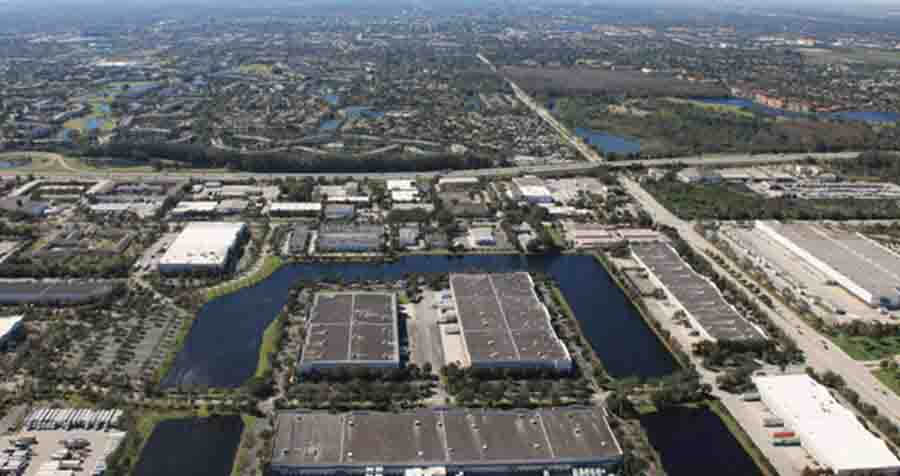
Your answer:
<point x="358" y="329"/>
<point x="10" y="328"/>
<point x="530" y="189"/>
<point x="312" y="209"/>
<point x="476" y="441"/>
<point x="350" y="238"/>
<point x="829" y="432"/>
<point x="203" y="246"/>
<point x="482" y="236"/>
<point x="194" y="208"/>
<point x="708" y="312"/>
<point x="503" y="324"/>
<point x="299" y="239"/>
<point x="864" y="268"/>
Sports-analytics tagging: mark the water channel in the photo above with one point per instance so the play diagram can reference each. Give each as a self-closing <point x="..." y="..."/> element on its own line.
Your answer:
<point x="191" y="446"/>
<point x="695" y="441"/>
<point x="222" y="347"/>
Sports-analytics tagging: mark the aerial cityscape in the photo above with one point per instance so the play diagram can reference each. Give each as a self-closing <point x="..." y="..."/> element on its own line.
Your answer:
<point x="482" y="237"/>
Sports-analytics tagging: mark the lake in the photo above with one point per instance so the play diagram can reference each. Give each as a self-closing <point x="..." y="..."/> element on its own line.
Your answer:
<point x="695" y="441"/>
<point x="194" y="446"/>
<point x="608" y="143"/>
<point x="222" y="348"/>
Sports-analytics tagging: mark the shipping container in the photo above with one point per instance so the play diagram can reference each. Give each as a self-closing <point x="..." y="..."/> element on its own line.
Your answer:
<point x="772" y="422"/>
<point x="750" y="397"/>
<point x="783" y="434"/>
<point x="787" y="442"/>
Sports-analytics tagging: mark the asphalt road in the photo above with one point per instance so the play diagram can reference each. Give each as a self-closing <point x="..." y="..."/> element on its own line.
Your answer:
<point x="712" y="160"/>
<point x="820" y="353"/>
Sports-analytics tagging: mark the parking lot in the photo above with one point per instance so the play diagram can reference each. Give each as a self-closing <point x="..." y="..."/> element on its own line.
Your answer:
<point x="786" y="269"/>
<point x="100" y="445"/>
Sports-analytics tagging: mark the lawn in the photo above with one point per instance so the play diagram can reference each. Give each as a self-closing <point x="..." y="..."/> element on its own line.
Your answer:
<point x="719" y="108"/>
<point x="270" y="340"/>
<point x="890" y="378"/>
<point x="243" y="458"/>
<point x="868" y="348"/>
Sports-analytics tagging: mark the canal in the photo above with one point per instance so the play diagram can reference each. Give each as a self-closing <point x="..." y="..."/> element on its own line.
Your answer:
<point x="695" y="441"/>
<point x="222" y="347"/>
<point x="194" y="446"/>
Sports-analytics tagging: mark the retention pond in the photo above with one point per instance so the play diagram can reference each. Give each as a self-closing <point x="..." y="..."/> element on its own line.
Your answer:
<point x="695" y="441"/>
<point x="222" y="347"/>
<point x="191" y="446"/>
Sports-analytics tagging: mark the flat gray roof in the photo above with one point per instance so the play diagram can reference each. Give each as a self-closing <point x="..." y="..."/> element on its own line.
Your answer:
<point x="866" y="263"/>
<point x="443" y="437"/>
<point x="352" y="328"/>
<point x="700" y="298"/>
<point x="502" y="320"/>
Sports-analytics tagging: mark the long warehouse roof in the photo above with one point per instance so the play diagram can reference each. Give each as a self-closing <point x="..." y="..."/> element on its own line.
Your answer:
<point x="830" y="432"/>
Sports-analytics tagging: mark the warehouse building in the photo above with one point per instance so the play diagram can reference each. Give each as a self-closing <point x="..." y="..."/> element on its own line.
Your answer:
<point x="830" y="432"/>
<point x="352" y="330"/>
<point x="203" y="246"/>
<point x="503" y="324"/>
<point x="864" y="268"/>
<point x="350" y="238"/>
<point x="708" y="312"/>
<point x="311" y="209"/>
<point x="476" y="441"/>
<point x="188" y="208"/>
<point x="10" y="328"/>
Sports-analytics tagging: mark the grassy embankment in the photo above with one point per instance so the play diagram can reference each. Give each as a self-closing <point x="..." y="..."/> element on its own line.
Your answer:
<point x="243" y="458"/>
<point x="269" y="266"/>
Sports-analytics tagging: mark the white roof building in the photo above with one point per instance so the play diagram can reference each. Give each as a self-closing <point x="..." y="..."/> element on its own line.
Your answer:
<point x="400" y="196"/>
<point x="829" y="432"/>
<point x="190" y="207"/>
<point x="295" y="208"/>
<point x="401" y="185"/>
<point x="202" y="246"/>
<point x="8" y="326"/>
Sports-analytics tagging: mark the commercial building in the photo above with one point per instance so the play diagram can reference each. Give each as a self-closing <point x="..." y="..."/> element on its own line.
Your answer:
<point x="830" y="432"/>
<point x="708" y="312"/>
<point x="203" y="246"/>
<point x="482" y="236"/>
<point x="344" y="238"/>
<point x="590" y="235"/>
<point x="352" y="330"/>
<point x="10" y="328"/>
<point x="299" y="239"/>
<point x="295" y="209"/>
<point x="334" y="211"/>
<point x="530" y="189"/>
<point x="475" y="441"/>
<point x="864" y="268"/>
<point x="448" y="184"/>
<point x="194" y="208"/>
<point x="503" y="324"/>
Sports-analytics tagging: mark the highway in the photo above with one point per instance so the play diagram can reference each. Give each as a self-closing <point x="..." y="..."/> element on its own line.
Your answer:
<point x="589" y="153"/>
<point x="820" y="353"/>
<point x="66" y="170"/>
